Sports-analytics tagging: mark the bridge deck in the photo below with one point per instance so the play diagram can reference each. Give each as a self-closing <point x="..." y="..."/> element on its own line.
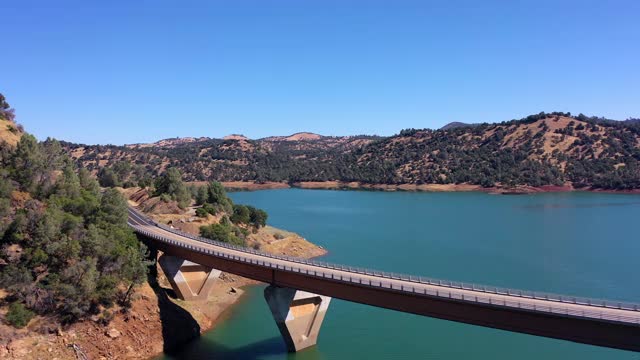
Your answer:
<point x="616" y="316"/>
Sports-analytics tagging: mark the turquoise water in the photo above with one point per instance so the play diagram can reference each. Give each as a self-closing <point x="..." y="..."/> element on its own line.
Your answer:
<point x="571" y="243"/>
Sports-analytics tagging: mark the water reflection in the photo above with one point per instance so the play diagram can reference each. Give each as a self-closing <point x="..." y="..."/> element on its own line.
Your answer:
<point x="576" y="206"/>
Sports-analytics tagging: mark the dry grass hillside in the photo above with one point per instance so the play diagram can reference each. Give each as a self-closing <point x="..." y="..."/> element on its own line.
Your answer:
<point x="550" y="150"/>
<point x="542" y="139"/>
<point x="10" y="132"/>
<point x="554" y="149"/>
<point x="268" y="238"/>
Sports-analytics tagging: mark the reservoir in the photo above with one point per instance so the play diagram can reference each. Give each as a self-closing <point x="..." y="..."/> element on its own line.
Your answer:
<point x="583" y="244"/>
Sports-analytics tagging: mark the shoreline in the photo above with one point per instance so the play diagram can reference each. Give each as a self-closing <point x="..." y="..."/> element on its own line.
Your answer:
<point x="227" y="311"/>
<point x="230" y="289"/>
<point x="339" y="185"/>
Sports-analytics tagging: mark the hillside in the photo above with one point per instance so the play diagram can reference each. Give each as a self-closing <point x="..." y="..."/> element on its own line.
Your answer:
<point x="456" y="124"/>
<point x="10" y="132"/>
<point x="542" y="149"/>
<point x="281" y="158"/>
<point x="301" y="136"/>
<point x="75" y="282"/>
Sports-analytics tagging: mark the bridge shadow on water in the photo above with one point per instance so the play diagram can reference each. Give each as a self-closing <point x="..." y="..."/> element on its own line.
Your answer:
<point x="178" y="326"/>
<point x="265" y="349"/>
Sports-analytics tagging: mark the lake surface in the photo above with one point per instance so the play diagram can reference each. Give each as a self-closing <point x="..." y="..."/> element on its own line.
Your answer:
<point x="570" y="243"/>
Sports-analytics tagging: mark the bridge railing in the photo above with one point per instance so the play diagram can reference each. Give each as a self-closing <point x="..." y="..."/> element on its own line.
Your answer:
<point x="445" y="291"/>
<point x="561" y="299"/>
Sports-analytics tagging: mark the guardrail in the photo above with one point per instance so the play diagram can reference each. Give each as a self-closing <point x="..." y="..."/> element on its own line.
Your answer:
<point x="553" y="299"/>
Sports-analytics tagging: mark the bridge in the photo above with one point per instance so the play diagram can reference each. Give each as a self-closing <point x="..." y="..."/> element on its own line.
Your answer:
<point x="300" y="290"/>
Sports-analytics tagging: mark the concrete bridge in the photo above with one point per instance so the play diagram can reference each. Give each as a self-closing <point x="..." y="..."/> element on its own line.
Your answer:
<point x="300" y="290"/>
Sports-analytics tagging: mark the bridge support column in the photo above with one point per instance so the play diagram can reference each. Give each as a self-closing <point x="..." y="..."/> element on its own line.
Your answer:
<point x="298" y="314"/>
<point x="190" y="281"/>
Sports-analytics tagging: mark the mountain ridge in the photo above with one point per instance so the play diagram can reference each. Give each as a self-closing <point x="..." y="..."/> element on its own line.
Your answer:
<point x="541" y="149"/>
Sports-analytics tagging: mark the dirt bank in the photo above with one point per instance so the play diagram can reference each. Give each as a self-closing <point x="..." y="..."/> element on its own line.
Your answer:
<point x="246" y="185"/>
<point x="340" y="185"/>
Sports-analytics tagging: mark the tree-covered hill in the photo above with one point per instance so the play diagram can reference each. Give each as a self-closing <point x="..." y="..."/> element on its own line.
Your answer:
<point x="65" y="247"/>
<point x="542" y="149"/>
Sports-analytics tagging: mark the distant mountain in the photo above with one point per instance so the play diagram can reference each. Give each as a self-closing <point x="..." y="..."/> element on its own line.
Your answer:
<point x="171" y="142"/>
<point x="235" y="137"/>
<point x="457" y="124"/>
<point x="541" y="149"/>
<point x="301" y="136"/>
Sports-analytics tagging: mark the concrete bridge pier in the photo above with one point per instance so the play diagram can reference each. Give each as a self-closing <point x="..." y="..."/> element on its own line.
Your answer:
<point x="298" y="314"/>
<point x="190" y="281"/>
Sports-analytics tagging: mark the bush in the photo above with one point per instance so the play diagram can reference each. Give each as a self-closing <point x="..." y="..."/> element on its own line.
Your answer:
<point x="211" y="209"/>
<point x="201" y="212"/>
<point x="241" y="214"/>
<point x="18" y="315"/>
<point x="170" y="184"/>
<point x="224" y="232"/>
<point x="258" y="217"/>
<point x="244" y="214"/>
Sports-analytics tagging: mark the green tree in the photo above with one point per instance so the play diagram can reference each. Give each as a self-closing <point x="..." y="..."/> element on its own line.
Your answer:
<point x="257" y="217"/>
<point x="108" y="177"/>
<point x="170" y="183"/>
<point x="202" y="195"/>
<point x="241" y="214"/>
<point x="224" y="232"/>
<point x="113" y="208"/>
<point x="78" y="254"/>
<point x="87" y="182"/>
<point x="218" y="196"/>
<point x="18" y="315"/>
<point x="3" y="103"/>
<point x="201" y="212"/>
<point x="28" y="163"/>
<point x="134" y="270"/>
<point x="6" y="112"/>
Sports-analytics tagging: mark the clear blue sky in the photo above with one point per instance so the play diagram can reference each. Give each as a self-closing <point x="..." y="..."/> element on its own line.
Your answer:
<point x="138" y="71"/>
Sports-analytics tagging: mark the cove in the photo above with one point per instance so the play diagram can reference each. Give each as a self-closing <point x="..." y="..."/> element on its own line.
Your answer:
<point x="583" y="244"/>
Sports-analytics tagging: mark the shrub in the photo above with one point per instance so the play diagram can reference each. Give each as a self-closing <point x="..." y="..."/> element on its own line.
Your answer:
<point x="201" y="212"/>
<point x="170" y="184"/>
<point x="211" y="209"/>
<point x="223" y="232"/>
<point x="241" y="214"/>
<point x="258" y="217"/>
<point x="18" y="315"/>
